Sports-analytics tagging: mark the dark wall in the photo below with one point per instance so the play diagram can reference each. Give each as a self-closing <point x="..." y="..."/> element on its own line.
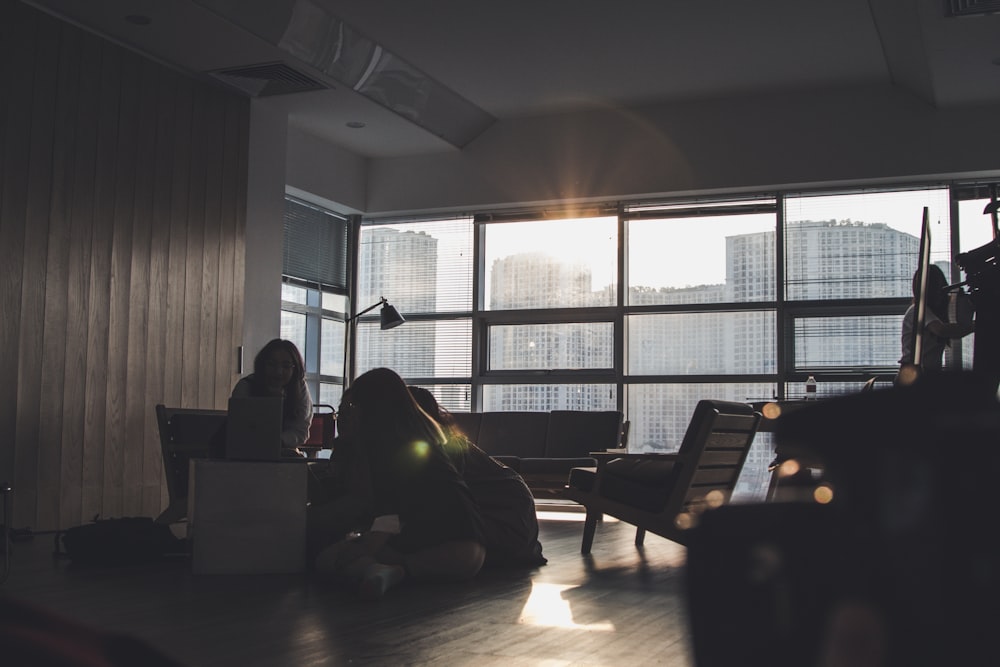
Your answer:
<point x="122" y="219"/>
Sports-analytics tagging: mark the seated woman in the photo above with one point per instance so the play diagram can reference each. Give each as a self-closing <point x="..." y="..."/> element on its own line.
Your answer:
<point x="278" y="370"/>
<point x="427" y="525"/>
<point x="504" y="500"/>
<point x="940" y="326"/>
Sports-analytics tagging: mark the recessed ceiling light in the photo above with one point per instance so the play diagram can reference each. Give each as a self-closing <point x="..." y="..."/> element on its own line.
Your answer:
<point x="355" y="124"/>
<point x="138" y="19"/>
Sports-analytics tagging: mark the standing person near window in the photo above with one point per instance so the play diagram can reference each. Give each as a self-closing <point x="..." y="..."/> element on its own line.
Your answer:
<point x="940" y="326"/>
<point x="505" y="501"/>
<point x="427" y="524"/>
<point x="278" y="370"/>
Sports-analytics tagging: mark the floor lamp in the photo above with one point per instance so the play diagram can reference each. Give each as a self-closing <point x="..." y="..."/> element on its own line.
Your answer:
<point x="389" y="318"/>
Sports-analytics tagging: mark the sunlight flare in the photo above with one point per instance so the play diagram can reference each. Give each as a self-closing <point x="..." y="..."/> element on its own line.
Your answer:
<point x="548" y="607"/>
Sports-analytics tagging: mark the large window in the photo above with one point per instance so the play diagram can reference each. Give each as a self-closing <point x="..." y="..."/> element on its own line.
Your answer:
<point x="314" y="294"/>
<point x="425" y="270"/>
<point x="659" y="305"/>
<point x="550" y="263"/>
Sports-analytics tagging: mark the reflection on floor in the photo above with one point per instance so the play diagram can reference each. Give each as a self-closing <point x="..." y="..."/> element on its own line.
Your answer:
<point x="619" y="606"/>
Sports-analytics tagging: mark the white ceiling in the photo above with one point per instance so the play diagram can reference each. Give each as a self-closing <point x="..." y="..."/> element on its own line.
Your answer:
<point x="534" y="57"/>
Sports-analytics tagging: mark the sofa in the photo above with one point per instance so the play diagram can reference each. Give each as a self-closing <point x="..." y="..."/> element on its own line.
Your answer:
<point x="543" y="446"/>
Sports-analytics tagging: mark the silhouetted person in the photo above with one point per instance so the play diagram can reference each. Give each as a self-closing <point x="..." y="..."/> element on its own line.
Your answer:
<point x="505" y="501"/>
<point x="939" y="328"/>
<point x="427" y="523"/>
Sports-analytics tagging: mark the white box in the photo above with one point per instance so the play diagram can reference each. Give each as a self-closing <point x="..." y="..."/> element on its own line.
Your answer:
<point x="247" y="517"/>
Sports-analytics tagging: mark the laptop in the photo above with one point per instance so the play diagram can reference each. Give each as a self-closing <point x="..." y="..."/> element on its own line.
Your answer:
<point x="253" y="429"/>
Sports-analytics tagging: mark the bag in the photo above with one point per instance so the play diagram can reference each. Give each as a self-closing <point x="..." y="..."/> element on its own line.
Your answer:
<point x="124" y="541"/>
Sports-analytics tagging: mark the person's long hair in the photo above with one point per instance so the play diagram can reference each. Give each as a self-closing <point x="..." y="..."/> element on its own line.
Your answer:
<point x="458" y="443"/>
<point x="389" y="421"/>
<point x="937" y="298"/>
<point x="257" y="385"/>
<point x="298" y="373"/>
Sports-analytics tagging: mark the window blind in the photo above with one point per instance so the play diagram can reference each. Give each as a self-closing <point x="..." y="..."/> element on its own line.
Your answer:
<point x="315" y="246"/>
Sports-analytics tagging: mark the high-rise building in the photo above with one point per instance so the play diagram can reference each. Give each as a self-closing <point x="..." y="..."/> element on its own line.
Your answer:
<point x="402" y="266"/>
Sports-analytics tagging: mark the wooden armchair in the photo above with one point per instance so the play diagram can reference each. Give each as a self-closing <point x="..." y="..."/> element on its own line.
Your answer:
<point x="664" y="493"/>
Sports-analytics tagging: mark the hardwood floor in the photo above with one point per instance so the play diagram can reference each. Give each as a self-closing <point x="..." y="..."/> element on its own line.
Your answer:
<point x="619" y="606"/>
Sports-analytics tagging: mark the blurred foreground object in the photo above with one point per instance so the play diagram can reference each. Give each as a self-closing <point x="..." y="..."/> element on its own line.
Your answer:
<point x="899" y="566"/>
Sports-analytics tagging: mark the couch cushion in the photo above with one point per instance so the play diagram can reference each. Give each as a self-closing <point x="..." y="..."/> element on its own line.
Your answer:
<point x="543" y="466"/>
<point x="577" y="432"/>
<point x="642" y="483"/>
<point x="513" y="433"/>
<point x="582" y="478"/>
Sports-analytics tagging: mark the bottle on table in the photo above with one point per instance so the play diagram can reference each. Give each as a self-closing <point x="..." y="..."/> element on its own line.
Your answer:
<point x="810" y="388"/>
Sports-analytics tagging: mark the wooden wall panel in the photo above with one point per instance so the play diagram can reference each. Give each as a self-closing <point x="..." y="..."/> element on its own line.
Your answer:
<point x="53" y="333"/>
<point x="14" y="152"/>
<point x="31" y="401"/>
<point x="122" y="213"/>
<point x="155" y="495"/>
<point x="139" y="298"/>
<point x="100" y="378"/>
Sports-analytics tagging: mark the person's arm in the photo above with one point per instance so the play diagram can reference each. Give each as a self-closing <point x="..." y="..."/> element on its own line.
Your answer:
<point x="939" y="327"/>
<point x="296" y="429"/>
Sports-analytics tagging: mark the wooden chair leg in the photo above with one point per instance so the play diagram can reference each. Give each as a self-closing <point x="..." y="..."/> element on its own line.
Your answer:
<point x="640" y="536"/>
<point x="589" y="527"/>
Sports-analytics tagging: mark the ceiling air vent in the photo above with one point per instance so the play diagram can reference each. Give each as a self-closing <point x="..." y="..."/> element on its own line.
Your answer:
<point x="267" y="79"/>
<point x="971" y="7"/>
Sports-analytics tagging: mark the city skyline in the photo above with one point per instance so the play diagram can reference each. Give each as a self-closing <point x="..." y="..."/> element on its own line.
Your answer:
<point x="822" y="261"/>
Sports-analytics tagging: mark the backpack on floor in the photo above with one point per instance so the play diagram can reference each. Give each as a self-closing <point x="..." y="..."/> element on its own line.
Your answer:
<point x="123" y="541"/>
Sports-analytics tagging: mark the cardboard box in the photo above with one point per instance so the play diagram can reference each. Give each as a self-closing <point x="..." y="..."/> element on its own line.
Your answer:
<point x="247" y="517"/>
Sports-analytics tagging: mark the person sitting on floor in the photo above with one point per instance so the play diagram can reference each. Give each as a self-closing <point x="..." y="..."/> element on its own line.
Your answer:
<point x="504" y="500"/>
<point x="427" y="525"/>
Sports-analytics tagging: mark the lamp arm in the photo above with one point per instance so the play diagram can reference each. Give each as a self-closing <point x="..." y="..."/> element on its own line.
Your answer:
<point x="381" y="301"/>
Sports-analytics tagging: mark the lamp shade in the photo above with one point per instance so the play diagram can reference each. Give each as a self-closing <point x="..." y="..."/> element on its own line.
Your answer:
<point x="390" y="317"/>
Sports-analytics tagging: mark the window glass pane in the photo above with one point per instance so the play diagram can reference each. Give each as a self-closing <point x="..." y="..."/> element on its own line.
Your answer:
<point x="860" y="245"/>
<point x="335" y="302"/>
<point x="549" y="346"/>
<point x="420" y="267"/>
<point x="704" y="259"/>
<point x="331" y="347"/>
<point x="293" y="328"/>
<point x="293" y="293"/>
<point x="797" y="390"/>
<point x="660" y="413"/>
<point x="847" y="342"/>
<point x="702" y="343"/>
<point x="551" y="263"/>
<point x="452" y="397"/>
<point x="417" y="349"/>
<point x="329" y="394"/>
<point x="547" y="397"/>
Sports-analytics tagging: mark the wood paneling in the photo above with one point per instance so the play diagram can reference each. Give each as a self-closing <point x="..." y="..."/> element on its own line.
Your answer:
<point x="122" y="212"/>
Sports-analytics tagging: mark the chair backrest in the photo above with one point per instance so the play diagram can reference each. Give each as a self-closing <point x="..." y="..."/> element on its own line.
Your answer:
<point x="323" y="429"/>
<point x="713" y="452"/>
<point x="185" y="434"/>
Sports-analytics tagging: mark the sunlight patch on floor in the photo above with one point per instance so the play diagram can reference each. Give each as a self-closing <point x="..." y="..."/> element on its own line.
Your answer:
<point x="547" y="607"/>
